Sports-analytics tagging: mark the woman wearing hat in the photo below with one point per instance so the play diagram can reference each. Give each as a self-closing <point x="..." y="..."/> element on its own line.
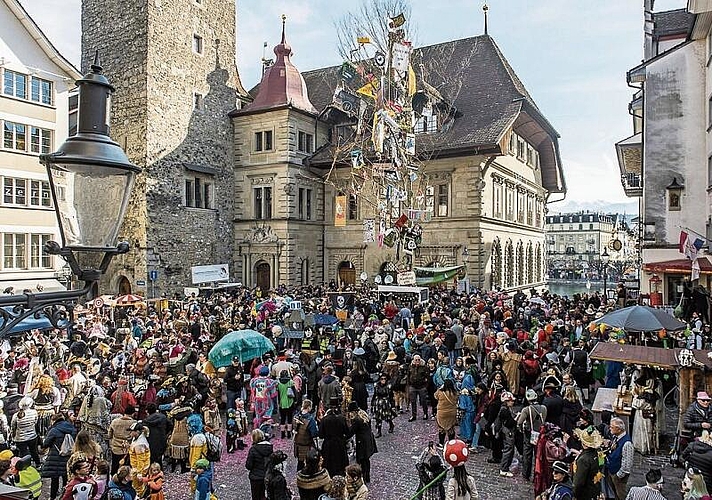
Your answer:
<point x="382" y="405"/>
<point x="365" y="441"/>
<point x="275" y="482"/>
<point x="23" y="429"/>
<point x="561" y="488"/>
<point x="587" y="471"/>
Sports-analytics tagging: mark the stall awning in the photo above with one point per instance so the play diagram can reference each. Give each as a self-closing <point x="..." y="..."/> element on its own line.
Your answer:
<point x="681" y="266"/>
<point x="34" y="285"/>
<point x="643" y="355"/>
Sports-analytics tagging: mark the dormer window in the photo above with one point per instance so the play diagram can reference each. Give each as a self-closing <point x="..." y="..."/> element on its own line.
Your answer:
<point x="427" y="123"/>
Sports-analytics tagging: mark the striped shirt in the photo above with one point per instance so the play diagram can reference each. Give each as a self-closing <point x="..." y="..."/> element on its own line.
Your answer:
<point x="644" y="493"/>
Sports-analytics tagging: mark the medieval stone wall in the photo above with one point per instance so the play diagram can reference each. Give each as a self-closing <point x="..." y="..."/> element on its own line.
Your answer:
<point x="157" y="64"/>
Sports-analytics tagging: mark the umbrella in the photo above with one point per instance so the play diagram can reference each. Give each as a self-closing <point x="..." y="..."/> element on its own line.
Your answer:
<point x="247" y="344"/>
<point x="128" y="299"/>
<point x="537" y="300"/>
<point x="641" y="319"/>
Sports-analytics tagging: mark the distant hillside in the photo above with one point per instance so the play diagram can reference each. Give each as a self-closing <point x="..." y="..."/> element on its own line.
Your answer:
<point x="593" y="206"/>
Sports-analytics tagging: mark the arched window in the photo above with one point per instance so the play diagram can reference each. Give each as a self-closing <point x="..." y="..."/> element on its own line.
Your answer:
<point x="520" y="264"/>
<point x="508" y="265"/>
<point x="530" y="264"/>
<point x="539" y="263"/>
<point x="496" y="264"/>
<point x="304" y="272"/>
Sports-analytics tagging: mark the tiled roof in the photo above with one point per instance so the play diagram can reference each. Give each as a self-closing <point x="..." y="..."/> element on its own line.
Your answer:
<point x="485" y="90"/>
<point x="672" y="22"/>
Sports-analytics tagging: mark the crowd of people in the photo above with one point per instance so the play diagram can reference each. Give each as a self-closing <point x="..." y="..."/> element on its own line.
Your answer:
<point x="101" y="409"/>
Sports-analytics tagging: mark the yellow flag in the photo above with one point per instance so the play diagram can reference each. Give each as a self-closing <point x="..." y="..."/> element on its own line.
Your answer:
<point x="369" y="90"/>
<point x="411" y="81"/>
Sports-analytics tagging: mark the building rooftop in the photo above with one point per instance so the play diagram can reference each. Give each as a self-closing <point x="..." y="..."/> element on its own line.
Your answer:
<point x="672" y="22"/>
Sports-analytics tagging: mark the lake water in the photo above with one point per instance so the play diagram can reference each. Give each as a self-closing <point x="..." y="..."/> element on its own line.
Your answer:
<point x="573" y="287"/>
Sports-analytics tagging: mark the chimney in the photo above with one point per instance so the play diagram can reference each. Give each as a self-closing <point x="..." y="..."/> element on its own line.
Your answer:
<point x="648" y="27"/>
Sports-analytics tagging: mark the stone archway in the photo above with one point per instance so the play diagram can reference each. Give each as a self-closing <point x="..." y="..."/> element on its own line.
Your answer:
<point x="124" y="287"/>
<point x="346" y="273"/>
<point x="263" y="273"/>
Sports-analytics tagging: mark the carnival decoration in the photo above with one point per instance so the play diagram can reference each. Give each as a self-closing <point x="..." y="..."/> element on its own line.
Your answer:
<point x="380" y="101"/>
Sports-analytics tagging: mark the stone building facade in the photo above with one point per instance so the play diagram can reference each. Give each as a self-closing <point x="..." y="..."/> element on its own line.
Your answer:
<point x="173" y="66"/>
<point x="492" y="173"/>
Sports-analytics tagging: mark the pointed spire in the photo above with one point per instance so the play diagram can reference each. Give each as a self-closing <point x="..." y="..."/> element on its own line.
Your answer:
<point x="284" y="22"/>
<point x="485" y="9"/>
<point x="96" y="65"/>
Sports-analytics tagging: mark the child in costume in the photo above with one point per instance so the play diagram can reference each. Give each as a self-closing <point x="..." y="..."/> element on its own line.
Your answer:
<point x="231" y="431"/>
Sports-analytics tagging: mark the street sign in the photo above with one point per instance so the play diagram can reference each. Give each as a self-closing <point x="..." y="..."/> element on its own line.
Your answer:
<point x="153" y="275"/>
<point x="140" y="282"/>
<point x="98" y="302"/>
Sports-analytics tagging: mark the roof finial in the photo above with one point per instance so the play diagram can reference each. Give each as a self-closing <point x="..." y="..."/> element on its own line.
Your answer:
<point x="284" y="21"/>
<point x="485" y="9"/>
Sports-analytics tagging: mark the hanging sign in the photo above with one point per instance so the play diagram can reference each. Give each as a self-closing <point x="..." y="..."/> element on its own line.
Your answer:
<point x="340" y="211"/>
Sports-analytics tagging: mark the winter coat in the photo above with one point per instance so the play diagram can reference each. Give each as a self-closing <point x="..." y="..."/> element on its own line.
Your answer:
<point x="276" y="488"/>
<point x="157" y="424"/>
<point x="329" y="387"/>
<point x="257" y="458"/>
<point x="365" y="441"/>
<point x="554" y="408"/>
<point x="569" y="416"/>
<point x="699" y="454"/>
<point x="335" y="432"/>
<point x="586" y="469"/>
<point x="694" y="417"/>
<point x="418" y="376"/>
<point x="55" y="465"/>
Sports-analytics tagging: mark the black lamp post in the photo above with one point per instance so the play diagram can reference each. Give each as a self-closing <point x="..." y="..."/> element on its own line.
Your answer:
<point x="90" y="178"/>
<point x="604" y="260"/>
<point x="465" y="256"/>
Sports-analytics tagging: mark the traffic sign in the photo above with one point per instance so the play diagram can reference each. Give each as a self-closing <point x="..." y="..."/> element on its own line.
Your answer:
<point x="140" y="282"/>
<point x="153" y="275"/>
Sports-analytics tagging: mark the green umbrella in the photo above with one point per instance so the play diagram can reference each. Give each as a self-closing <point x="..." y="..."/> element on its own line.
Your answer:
<point x="247" y="344"/>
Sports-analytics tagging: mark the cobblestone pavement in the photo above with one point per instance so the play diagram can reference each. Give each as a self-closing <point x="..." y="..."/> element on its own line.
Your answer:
<point x="393" y="475"/>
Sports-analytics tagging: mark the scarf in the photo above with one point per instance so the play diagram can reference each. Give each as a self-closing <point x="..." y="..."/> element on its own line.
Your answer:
<point x="353" y="486"/>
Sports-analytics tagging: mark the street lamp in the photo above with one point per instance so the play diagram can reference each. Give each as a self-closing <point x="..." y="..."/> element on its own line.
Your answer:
<point x="90" y="179"/>
<point x="466" y="278"/>
<point x="604" y="260"/>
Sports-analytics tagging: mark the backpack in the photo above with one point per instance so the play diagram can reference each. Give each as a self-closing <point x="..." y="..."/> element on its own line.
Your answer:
<point x="67" y="445"/>
<point x="214" y="447"/>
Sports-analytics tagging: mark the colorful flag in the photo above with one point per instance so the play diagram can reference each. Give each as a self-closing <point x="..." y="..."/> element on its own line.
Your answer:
<point x="695" y="269"/>
<point x="683" y="241"/>
<point x="689" y="246"/>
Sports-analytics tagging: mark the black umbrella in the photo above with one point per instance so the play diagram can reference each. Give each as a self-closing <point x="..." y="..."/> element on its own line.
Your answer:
<point x="641" y="319"/>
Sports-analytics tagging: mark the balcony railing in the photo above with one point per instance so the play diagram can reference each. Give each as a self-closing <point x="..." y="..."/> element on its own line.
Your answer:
<point x="632" y="185"/>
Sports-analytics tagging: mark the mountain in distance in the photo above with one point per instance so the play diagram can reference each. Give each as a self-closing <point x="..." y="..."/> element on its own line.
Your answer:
<point x="568" y="206"/>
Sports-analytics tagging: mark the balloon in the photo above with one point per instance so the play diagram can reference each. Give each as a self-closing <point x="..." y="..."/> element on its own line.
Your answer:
<point x="455" y="452"/>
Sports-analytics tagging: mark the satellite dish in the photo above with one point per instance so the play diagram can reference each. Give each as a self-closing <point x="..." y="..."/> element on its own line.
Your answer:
<point x="377" y="279"/>
<point x="364" y="276"/>
<point x="388" y="280"/>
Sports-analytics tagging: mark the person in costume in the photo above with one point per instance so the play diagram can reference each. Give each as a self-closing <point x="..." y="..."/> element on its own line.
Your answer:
<point x="263" y="395"/>
<point x="139" y="455"/>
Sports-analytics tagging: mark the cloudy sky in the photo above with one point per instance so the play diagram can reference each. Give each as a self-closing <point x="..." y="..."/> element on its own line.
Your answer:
<point x="572" y="56"/>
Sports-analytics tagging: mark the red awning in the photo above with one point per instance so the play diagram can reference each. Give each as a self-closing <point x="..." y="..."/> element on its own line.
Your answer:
<point x="683" y="266"/>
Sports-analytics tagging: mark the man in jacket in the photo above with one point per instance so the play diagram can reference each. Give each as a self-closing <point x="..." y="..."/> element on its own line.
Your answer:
<point x="619" y="460"/>
<point x="233" y="382"/>
<point x="697" y="417"/>
<point x="120" y="437"/>
<point x="531" y="418"/>
<point x="157" y="424"/>
<point x="418" y="387"/>
<point x="553" y="402"/>
<point x="334" y="430"/>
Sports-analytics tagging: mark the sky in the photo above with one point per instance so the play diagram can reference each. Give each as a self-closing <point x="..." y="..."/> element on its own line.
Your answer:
<point x="572" y="56"/>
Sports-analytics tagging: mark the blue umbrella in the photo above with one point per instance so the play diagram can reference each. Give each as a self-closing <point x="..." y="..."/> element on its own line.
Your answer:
<point x="246" y="344"/>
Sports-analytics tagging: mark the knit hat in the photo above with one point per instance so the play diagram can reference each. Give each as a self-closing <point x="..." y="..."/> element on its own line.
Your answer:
<point x="202" y="463"/>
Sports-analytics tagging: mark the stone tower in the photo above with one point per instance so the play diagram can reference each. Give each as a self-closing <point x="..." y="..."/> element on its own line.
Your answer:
<point x="173" y="66"/>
